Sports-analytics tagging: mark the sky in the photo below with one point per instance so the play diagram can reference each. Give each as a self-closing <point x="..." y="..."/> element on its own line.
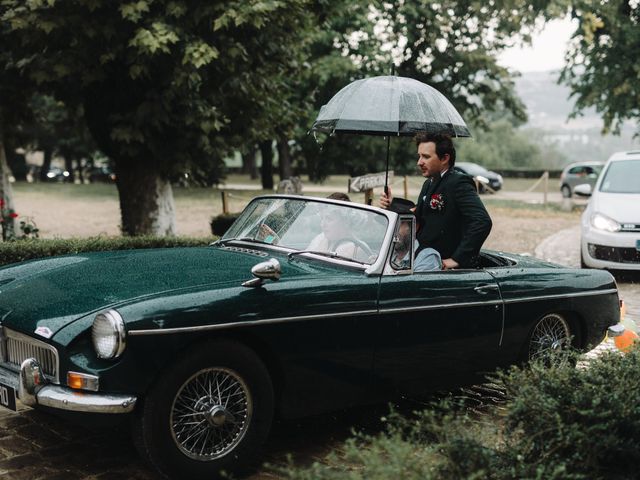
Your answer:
<point x="546" y="52"/>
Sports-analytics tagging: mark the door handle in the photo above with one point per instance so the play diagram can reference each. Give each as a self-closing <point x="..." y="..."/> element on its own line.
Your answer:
<point x="484" y="289"/>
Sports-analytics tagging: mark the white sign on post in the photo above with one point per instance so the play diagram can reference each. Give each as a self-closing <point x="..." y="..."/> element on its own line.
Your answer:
<point x="369" y="181"/>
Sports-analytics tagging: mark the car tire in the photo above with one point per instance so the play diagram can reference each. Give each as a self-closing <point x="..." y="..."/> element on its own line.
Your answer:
<point x="551" y="333"/>
<point x="566" y="191"/>
<point x="188" y="428"/>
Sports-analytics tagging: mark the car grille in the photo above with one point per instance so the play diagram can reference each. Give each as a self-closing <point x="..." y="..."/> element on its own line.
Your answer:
<point x="15" y="348"/>
<point x="630" y="227"/>
<point x="614" y="254"/>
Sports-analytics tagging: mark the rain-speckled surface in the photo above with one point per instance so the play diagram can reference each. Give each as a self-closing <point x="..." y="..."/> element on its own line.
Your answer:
<point x="390" y="105"/>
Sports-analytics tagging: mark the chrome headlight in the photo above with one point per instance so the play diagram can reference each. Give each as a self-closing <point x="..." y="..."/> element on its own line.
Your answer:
<point x="108" y="334"/>
<point x="602" y="222"/>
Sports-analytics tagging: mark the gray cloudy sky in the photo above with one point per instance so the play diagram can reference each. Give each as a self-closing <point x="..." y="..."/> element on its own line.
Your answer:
<point x="546" y="52"/>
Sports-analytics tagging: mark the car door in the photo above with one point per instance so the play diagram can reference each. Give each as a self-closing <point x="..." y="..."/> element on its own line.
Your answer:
<point x="437" y="328"/>
<point x="320" y="327"/>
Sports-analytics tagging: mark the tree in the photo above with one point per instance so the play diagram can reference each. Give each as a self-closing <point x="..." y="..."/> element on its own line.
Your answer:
<point x="13" y="109"/>
<point x="602" y="61"/>
<point x="167" y="86"/>
<point x="452" y="45"/>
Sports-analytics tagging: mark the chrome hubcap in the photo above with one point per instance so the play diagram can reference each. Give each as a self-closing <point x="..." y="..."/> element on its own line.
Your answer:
<point x="218" y="416"/>
<point x="210" y="414"/>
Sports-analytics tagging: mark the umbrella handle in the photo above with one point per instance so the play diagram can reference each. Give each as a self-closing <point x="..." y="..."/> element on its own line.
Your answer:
<point x="386" y="171"/>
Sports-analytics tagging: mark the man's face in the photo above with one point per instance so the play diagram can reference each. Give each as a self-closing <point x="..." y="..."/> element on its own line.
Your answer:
<point x="404" y="236"/>
<point x="428" y="161"/>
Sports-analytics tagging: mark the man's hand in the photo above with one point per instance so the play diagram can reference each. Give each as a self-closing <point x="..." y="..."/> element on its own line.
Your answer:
<point x="449" y="263"/>
<point x="386" y="198"/>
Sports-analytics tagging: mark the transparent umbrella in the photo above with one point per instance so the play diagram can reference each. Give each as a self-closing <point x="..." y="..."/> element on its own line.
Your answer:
<point x="389" y="106"/>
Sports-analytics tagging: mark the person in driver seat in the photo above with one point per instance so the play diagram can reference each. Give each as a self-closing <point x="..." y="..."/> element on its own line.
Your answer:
<point x="336" y="234"/>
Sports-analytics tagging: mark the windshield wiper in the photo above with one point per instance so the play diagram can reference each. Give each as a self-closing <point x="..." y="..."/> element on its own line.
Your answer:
<point x="324" y="254"/>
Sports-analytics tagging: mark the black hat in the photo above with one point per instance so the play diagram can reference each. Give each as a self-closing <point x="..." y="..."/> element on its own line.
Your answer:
<point x="401" y="205"/>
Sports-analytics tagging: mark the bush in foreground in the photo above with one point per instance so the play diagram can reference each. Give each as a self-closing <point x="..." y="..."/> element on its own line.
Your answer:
<point x="13" y="252"/>
<point x="556" y="423"/>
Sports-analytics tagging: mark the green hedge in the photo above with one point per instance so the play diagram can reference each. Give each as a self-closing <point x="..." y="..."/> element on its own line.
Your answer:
<point x="556" y="423"/>
<point x="21" y="250"/>
<point x="221" y="223"/>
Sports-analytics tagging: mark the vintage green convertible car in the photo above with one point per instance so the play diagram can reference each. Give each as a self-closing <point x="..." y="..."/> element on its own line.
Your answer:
<point x="304" y="306"/>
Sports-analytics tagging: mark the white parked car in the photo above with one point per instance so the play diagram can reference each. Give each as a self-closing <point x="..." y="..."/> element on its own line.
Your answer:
<point x="611" y="221"/>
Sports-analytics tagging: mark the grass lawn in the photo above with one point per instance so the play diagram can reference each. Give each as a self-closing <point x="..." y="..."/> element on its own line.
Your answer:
<point x="69" y="210"/>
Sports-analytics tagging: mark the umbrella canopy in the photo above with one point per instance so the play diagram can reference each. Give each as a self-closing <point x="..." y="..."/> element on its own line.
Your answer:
<point x="390" y="105"/>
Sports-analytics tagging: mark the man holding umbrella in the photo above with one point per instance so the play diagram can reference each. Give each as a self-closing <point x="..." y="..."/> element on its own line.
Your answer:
<point x="451" y="217"/>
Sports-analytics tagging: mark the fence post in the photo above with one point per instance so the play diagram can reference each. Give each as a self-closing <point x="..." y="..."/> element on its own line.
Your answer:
<point x="546" y="186"/>
<point x="368" y="196"/>
<point x="406" y="187"/>
<point x="225" y="206"/>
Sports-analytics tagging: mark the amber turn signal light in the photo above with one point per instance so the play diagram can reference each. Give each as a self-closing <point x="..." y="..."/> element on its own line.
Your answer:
<point x="82" y="381"/>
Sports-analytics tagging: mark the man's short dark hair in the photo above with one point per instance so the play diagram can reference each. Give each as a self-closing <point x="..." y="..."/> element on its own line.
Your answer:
<point x="443" y="143"/>
<point x="339" y="196"/>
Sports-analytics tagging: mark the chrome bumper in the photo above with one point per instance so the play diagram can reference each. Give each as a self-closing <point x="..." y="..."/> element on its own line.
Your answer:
<point x="32" y="389"/>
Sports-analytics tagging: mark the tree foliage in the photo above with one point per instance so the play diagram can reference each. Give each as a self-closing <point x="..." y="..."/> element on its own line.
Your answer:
<point x="165" y="85"/>
<point x="451" y="45"/>
<point x="602" y="66"/>
<point x="171" y="80"/>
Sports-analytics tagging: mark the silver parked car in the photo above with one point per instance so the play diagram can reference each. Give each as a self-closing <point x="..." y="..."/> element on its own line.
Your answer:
<point x="578" y="174"/>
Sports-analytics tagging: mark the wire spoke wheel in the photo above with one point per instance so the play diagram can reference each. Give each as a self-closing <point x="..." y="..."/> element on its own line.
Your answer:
<point x="550" y="335"/>
<point x="210" y="414"/>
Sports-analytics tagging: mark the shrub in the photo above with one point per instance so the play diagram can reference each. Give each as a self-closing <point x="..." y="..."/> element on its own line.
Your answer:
<point x="13" y="252"/>
<point x="557" y="422"/>
<point x="221" y="223"/>
<point x="586" y="420"/>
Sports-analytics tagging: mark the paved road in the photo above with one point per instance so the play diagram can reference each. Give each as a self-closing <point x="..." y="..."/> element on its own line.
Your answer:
<point x="35" y="446"/>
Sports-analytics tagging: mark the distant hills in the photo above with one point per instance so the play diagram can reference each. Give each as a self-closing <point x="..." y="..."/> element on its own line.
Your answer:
<point x="548" y="106"/>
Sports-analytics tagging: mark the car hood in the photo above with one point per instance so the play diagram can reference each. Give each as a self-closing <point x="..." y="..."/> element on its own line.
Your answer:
<point x="50" y="293"/>
<point x="622" y="207"/>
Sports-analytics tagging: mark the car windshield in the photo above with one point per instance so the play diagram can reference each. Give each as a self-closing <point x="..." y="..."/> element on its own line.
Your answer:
<point x="622" y="177"/>
<point x="346" y="232"/>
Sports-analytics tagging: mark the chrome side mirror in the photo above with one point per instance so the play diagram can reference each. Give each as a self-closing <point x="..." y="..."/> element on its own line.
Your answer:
<point x="269" y="270"/>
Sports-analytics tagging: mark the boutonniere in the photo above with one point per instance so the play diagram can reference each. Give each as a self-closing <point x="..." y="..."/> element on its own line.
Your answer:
<point x="437" y="202"/>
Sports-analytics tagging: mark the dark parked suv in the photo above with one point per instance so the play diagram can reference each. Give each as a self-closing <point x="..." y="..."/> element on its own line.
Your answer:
<point x="486" y="178"/>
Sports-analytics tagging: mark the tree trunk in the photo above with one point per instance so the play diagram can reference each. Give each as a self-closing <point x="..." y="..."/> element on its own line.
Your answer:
<point x="249" y="163"/>
<point x="46" y="164"/>
<point x="266" y="150"/>
<point x="6" y="194"/>
<point x="284" y="158"/>
<point x="68" y="166"/>
<point x="146" y="199"/>
<point x="80" y="170"/>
